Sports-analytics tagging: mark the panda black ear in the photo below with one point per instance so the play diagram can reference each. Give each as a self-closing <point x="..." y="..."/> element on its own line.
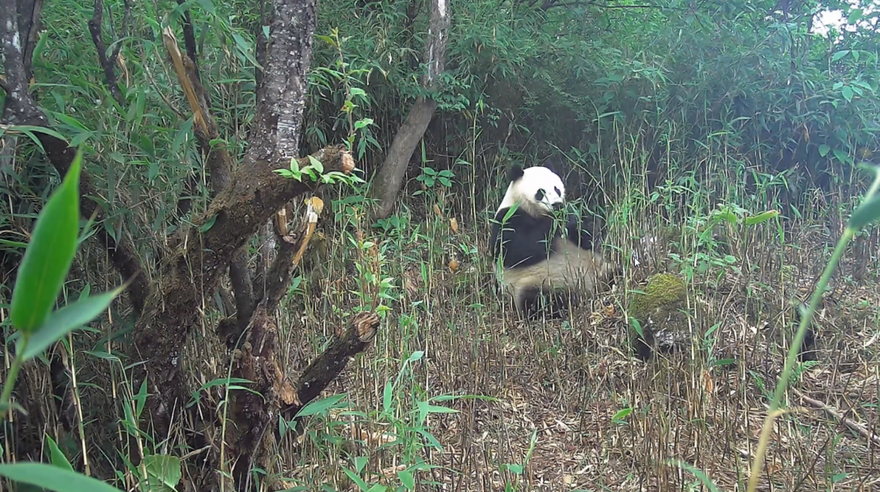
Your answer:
<point x="515" y="173"/>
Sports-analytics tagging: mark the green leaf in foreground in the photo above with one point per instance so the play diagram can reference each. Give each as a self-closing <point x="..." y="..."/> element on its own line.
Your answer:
<point x="67" y="319"/>
<point x="163" y="472"/>
<point x="866" y="213"/>
<point x="320" y="406"/>
<point x="53" y="478"/>
<point x="49" y="255"/>
<point x="56" y="455"/>
<point x="697" y="473"/>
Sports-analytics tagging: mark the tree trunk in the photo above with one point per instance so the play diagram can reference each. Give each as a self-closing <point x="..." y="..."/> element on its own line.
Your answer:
<point x="389" y="178"/>
<point x="169" y="303"/>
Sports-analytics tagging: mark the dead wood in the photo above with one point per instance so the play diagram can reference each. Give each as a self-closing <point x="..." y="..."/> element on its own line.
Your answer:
<point x="360" y="333"/>
<point x="860" y="429"/>
<point x="278" y="276"/>
<point x="257" y="363"/>
<point x="192" y="270"/>
<point x="245" y="200"/>
<point x="218" y="160"/>
<point x="189" y="41"/>
<point x="253" y="193"/>
<point x="289" y="254"/>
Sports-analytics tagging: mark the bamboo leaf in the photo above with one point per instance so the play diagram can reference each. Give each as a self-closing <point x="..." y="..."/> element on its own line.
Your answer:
<point x="866" y="213"/>
<point x="761" y="217"/>
<point x="56" y="456"/>
<point x="49" y="255"/>
<point x="54" y="478"/>
<point x="67" y="319"/>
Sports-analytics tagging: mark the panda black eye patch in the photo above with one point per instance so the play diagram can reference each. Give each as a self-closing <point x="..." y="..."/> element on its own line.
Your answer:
<point x="556" y="189"/>
<point x="539" y="195"/>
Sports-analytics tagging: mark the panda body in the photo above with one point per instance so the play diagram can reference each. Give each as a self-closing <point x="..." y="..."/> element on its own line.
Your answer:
<point x="534" y="258"/>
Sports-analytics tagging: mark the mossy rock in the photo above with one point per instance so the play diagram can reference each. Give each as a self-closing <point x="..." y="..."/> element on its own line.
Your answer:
<point x="658" y="308"/>
<point x="663" y="292"/>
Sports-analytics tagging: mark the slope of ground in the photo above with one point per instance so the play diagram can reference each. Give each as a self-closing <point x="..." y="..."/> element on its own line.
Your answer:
<point x="573" y="409"/>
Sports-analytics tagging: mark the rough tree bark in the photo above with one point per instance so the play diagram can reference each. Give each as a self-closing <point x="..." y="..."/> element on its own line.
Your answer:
<point x="389" y="178"/>
<point x="245" y="197"/>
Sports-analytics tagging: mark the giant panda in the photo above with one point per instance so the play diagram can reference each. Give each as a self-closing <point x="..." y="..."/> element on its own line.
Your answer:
<point x="534" y="259"/>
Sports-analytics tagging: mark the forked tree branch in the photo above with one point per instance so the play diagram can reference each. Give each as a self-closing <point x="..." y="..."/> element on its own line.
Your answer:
<point x="218" y="161"/>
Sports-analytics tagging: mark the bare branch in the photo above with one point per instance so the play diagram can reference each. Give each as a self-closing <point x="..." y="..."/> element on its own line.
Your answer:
<point x="863" y="431"/>
<point x="107" y="64"/>
<point x="189" y="41"/>
<point x="219" y="162"/>
<point x="361" y="332"/>
<point x="242" y="288"/>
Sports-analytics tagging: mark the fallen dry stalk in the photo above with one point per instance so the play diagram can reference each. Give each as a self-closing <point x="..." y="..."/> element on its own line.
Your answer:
<point x="857" y="427"/>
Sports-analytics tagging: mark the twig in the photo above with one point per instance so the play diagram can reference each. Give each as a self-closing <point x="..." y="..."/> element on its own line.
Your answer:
<point x="107" y="64"/>
<point x="858" y="428"/>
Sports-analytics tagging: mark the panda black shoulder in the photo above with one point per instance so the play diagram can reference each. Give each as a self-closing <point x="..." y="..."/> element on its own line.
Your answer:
<point x="521" y="239"/>
<point x="577" y="234"/>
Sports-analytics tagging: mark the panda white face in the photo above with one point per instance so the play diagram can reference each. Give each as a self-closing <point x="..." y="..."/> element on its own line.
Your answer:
<point x="539" y="191"/>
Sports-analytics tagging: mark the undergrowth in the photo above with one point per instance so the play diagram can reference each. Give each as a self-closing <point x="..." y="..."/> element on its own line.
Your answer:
<point x="735" y="151"/>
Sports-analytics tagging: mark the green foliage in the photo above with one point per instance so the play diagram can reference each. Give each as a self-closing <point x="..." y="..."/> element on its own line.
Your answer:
<point x="53" y="478"/>
<point x="46" y="262"/>
<point x="700" y="96"/>
<point x="315" y="171"/>
<point x="430" y="177"/>
<point x="403" y="414"/>
<point x="48" y="257"/>
<point x="163" y="473"/>
<point x="789" y="370"/>
<point x="56" y="456"/>
<point x="70" y="317"/>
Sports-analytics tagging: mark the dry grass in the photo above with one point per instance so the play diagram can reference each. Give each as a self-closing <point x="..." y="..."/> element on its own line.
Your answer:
<point x="560" y="390"/>
<point x="564" y="381"/>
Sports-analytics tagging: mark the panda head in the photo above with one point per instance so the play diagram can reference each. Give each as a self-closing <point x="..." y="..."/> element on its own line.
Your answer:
<point x="538" y="190"/>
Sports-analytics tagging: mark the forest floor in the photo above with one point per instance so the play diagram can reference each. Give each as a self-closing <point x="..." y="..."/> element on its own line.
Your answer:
<point x="572" y="407"/>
